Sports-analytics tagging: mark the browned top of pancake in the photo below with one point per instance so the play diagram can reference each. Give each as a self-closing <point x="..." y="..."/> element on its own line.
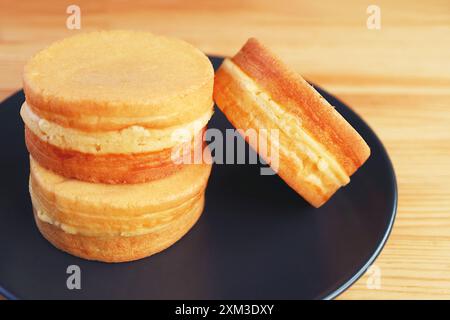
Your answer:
<point x="120" y="74"/>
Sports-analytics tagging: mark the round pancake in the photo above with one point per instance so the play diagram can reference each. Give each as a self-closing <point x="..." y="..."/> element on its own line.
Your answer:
<point x="115" y="223"/>
<point x="110" y="80"/>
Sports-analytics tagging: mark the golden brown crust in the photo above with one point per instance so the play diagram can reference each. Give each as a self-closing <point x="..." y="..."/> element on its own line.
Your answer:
<point x="291" y="91"/>
<point x="118" y="248"/>
<point x="119" y="74"/>
<point x="108" y="168"/>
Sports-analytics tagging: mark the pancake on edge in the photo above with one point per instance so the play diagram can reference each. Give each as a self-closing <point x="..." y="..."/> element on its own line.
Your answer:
<point x="318" y="149"/>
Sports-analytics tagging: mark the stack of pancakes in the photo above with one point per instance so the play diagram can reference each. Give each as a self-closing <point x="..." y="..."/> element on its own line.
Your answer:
<point x="111" y="118"/>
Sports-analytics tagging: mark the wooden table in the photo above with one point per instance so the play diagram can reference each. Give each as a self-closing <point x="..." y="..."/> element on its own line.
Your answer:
<point x="397" y="78"/>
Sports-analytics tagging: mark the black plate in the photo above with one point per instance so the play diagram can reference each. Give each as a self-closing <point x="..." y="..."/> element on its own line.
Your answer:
<point x="257" y="239"/>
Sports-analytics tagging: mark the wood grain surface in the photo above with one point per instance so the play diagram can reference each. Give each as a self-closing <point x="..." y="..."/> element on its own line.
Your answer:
<point x="397" y="78"/>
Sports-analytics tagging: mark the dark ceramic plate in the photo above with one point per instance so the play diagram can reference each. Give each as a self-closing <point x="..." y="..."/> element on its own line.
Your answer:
<point x="257" y="239"/>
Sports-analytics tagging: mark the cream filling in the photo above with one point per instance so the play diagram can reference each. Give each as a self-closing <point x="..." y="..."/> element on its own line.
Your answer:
<point x="46" y="218"/>
<point x="43" y="216"/>
<point x="72" y="230"/>
<point x="134" y="139"/>
<point x="164" y="218"/>
<point x="291" y="126"/>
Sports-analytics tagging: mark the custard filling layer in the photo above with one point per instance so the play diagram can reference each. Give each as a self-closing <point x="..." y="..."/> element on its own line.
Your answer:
<point x="134" y="139"/>
<point x="41" y="215"/>
<point x="119" y="226"/>
<point x="315" y="163"/>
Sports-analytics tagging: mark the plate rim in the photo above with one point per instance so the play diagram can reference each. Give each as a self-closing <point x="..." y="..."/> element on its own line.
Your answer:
<point x="362" y="270"/>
